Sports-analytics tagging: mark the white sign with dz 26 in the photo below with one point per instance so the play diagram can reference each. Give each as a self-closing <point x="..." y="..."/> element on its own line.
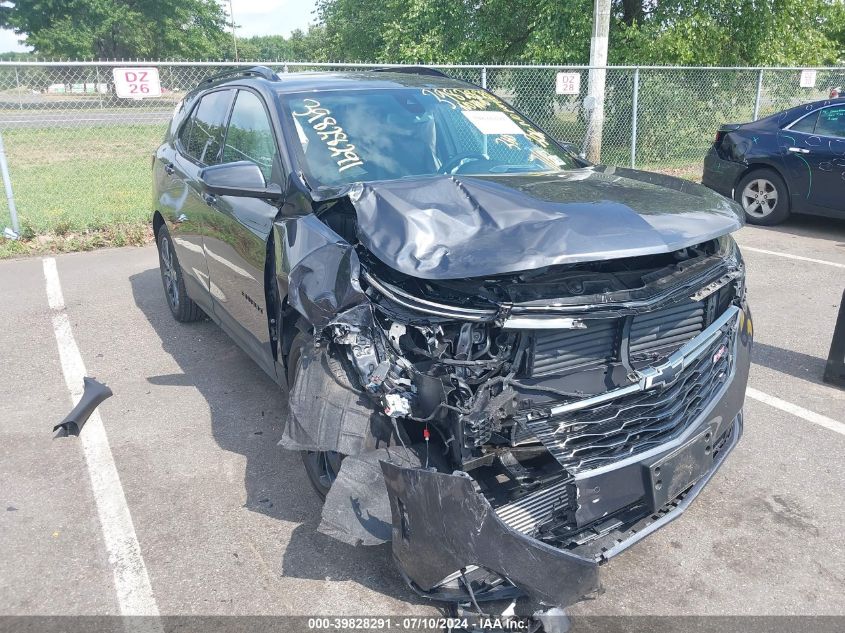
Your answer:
<point x="136" y="83"/>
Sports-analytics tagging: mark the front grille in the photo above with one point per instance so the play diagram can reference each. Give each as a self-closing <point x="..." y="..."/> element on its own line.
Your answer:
<point x="593" y="436"/>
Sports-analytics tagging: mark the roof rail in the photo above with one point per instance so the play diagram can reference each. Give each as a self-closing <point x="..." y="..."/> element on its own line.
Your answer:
<point x="411" y="70"/>
<point x="254" y="71"/>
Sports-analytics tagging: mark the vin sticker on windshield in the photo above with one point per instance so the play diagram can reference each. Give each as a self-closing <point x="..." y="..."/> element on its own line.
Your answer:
<point x="492" y="122"/>
<point x="331" y="134"/>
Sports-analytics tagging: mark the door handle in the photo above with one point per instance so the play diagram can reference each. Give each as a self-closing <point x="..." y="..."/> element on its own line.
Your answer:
<point x="169" y="169"/>
<point x="798" y="150"/>
<point x="210" y="199"/>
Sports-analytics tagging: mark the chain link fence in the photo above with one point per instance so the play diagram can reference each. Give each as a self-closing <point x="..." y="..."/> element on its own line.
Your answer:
<point x="79" y="156"/>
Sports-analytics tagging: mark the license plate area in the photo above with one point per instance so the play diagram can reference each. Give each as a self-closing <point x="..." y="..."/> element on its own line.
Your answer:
<point x="671" y="474"/>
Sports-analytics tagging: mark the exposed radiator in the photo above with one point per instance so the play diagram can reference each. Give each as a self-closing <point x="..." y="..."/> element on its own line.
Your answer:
<point x="663" y="331"/>
<point x="525" y="514"/>
<point x="654" y="334"/>
<point x="560" y="351"/>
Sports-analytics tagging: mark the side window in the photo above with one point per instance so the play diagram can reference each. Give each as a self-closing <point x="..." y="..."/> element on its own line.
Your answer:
<point x="185" y="132"/>
<point x="202" y="136"/>
<point x="250" y="135"/>
<point x="831" y="122"/>
<point x="807" y="124"/>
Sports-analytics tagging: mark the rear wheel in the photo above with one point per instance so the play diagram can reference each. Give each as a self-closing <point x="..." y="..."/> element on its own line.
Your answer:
<point x="321" y="467"/>
<point x="764" y="197"/>
<point x="181" y="305"/>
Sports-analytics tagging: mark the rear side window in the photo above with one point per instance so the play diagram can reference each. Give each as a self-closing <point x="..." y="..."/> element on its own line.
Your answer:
<point x="807" y="124"/>
<point x="202" y="136"/>
<point x="185" y="132"/>
<point x="250" y="135"/>
<point x="831" y="122"/>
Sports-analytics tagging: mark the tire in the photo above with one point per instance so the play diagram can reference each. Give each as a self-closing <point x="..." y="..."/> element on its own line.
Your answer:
<point x="182" y="307"/>
<point x="320" y="466"/>
<point x="764" y="197"/>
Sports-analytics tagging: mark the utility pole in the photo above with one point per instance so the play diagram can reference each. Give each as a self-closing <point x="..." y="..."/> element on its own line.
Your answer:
<point x="234" y="37"/>
<point x="597" y="77"/>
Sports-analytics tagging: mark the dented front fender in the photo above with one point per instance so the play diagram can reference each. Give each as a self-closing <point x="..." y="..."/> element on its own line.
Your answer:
<point x="316" y="268"/>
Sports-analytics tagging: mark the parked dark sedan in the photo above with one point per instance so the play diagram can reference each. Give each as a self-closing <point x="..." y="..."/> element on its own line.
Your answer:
<point x="510" y="363"/>
<point x="790" y="162"/>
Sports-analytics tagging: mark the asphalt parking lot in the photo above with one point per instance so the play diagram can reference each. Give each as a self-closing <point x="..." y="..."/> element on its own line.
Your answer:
<point x="226" y="522"/>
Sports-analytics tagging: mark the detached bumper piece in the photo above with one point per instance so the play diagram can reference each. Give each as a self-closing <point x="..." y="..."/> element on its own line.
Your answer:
<point x="632" y="460"/>
<point x="441" y="524"/>
<point x="94" y="393"/>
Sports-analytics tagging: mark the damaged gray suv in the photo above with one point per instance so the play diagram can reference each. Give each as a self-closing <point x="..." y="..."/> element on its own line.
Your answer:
<point x="510" y="363"/>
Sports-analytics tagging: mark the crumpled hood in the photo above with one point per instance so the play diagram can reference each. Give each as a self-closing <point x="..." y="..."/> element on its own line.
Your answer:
<point x="450" y="227"/>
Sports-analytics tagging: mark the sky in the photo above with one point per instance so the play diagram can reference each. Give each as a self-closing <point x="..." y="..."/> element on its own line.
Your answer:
<point x="252" y="17"/>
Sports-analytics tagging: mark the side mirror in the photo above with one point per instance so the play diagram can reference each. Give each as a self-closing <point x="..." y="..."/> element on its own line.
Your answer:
<point x="571" y="147"/>
<point x="242" y="178"/>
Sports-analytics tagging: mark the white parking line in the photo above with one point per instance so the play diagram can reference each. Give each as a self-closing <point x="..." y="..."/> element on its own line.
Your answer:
<point x="790" y="256"/>
<point x="805" y="414"/>
<point x="131" y="581"/>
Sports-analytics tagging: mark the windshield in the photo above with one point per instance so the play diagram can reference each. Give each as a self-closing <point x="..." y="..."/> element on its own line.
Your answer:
<point x="349" y="136"/>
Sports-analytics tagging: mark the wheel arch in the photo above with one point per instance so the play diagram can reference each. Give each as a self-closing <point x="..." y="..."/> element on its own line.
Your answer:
<point x="756" y="166"/>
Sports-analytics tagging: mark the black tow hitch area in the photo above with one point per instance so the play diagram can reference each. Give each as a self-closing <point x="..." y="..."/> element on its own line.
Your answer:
<point x="442" y="525"/>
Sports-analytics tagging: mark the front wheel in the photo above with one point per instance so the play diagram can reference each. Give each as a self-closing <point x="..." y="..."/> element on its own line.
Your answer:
<point x="764" y="197"/>
<point x="322" y="468"/>
<point x="182" y="307"/>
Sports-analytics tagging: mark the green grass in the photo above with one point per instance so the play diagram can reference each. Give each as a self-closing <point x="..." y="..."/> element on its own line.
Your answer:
<point x="79" y="188"/>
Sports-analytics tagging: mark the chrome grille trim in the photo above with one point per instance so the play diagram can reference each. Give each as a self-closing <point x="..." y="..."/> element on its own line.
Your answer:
<point x="411" y="302"/>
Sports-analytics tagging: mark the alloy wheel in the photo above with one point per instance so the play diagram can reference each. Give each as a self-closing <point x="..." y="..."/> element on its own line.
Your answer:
<point x="759" y="198"/>
<point x="168" y="272"/>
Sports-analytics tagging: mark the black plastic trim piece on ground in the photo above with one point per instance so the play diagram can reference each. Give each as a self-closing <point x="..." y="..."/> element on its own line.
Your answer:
<point x="834" y="372"/>
<point x="94" y="393"/>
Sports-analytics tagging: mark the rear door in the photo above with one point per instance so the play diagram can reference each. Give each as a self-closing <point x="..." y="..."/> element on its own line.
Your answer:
<point x="199" y="143"/>
<point x="827" y="158"/>
<point x="237" y="232"/>
<point x="814" y="152"/>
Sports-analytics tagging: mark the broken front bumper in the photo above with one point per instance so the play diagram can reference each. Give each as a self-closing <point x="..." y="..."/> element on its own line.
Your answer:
<point x="442" y="523"/>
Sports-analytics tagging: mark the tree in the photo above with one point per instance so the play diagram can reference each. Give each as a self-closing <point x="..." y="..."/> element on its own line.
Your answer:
<point x="705" y="32"/>
<point x="299" y="46"/>
<point x="119" y="28"/>
<point x="733" y="32"/>
<point x="426" y="30"/>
